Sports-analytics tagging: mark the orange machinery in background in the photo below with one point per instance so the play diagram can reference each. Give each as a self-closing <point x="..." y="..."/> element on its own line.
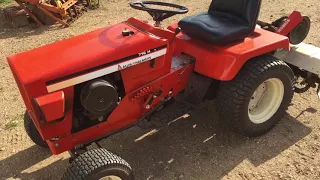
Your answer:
<point x="46" y="12"/>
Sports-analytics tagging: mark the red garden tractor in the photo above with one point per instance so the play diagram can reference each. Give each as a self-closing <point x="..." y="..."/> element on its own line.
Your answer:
<point x="108" y="80"/>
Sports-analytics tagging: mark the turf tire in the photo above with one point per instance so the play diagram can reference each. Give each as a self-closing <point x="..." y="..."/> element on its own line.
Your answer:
<point x="234" y="96"/>
<point x="96" y="164"/>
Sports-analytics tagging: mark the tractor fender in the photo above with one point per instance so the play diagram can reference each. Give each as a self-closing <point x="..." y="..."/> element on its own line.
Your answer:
<point x="227" y="66"/>
<point x="224" y="62"/>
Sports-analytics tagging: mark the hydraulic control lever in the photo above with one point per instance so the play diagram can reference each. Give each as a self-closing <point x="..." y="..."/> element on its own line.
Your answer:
<point x="178" y="30"/>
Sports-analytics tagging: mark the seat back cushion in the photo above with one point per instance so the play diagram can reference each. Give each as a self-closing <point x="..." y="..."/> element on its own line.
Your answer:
<point x="247" y="10"/>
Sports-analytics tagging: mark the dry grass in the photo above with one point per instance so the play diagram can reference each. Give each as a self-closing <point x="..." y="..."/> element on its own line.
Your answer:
<point x="291" y="151"/>
<point x="4" y="3"/>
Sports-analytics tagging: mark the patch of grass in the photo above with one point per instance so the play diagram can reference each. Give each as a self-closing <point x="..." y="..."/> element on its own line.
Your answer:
<point x="14" y="121"/>
<point x="4" y="3"/>
<point x="11" y="124"/>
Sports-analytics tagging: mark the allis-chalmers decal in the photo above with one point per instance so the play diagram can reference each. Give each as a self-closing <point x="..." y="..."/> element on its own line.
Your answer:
<point x="124" y="66"/>
<point x="138" y="61"/>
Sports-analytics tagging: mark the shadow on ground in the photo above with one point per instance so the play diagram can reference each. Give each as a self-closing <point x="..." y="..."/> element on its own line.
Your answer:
<point x="182" y="142"/>
<point x="13" y="166"/>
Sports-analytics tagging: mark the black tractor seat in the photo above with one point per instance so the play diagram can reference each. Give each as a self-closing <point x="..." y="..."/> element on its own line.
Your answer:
<point x="226" y="21"/>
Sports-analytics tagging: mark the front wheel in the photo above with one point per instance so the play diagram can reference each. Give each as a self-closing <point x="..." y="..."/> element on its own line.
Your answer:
<point x="32" y="131"/>
<point x="257" y="98"/>
<point x="99" y="164"/>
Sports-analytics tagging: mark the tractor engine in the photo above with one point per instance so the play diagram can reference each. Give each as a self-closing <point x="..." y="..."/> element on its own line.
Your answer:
<point x="94" y="101"/>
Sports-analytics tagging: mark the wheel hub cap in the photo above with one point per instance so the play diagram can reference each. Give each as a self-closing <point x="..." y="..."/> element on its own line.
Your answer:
<point x="257" y="96"/>
<point x="266" y="100"/>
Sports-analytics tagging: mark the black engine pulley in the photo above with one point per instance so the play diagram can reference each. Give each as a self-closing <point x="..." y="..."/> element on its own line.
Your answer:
<point x="99" y="97"/>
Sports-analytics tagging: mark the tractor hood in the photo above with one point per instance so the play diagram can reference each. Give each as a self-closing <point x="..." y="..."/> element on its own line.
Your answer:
<point x="71" y="57"/>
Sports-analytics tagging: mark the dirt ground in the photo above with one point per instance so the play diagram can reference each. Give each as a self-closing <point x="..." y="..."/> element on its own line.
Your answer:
<point x="181" y="150"/>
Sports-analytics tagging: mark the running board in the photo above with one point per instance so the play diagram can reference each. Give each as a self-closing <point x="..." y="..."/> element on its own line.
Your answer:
<point x="181" y="60"/>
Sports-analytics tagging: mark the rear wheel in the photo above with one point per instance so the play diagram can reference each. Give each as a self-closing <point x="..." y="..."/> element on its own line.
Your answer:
<point x="257" y="98"/>
<point x="99" y="164"/>
<point x="32" y="131"/>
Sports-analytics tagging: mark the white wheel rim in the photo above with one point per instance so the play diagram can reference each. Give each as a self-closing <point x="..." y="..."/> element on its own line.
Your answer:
<point x="266" y="100"/>
<point x="110" y="178"/>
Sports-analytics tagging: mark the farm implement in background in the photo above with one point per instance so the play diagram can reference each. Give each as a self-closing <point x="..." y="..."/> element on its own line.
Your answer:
<point x="48" y="12"/>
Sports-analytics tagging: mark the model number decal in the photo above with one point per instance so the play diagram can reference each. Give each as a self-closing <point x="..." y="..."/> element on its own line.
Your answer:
<point x="145" y="53"/>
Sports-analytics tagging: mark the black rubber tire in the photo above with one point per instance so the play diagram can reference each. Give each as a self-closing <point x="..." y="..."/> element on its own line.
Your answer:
<point x="234" y="96"/>
<point x="98" y="163"/>
<point x="300" y="32"/>
<point x="33" y="132"/>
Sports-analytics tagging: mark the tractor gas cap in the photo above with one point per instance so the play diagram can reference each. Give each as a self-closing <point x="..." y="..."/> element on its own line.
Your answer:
<point x="127" y="32"/>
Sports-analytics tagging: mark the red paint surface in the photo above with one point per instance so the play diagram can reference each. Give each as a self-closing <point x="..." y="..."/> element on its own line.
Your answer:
<point x="52" y="106"/>
<point x="290" y="23"/>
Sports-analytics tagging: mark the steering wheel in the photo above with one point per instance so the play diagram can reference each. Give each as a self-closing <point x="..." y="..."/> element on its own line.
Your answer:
<point x="159" y="15"/>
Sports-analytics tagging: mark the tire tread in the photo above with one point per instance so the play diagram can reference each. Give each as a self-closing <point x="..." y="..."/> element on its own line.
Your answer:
<point x="90" y="161"/>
